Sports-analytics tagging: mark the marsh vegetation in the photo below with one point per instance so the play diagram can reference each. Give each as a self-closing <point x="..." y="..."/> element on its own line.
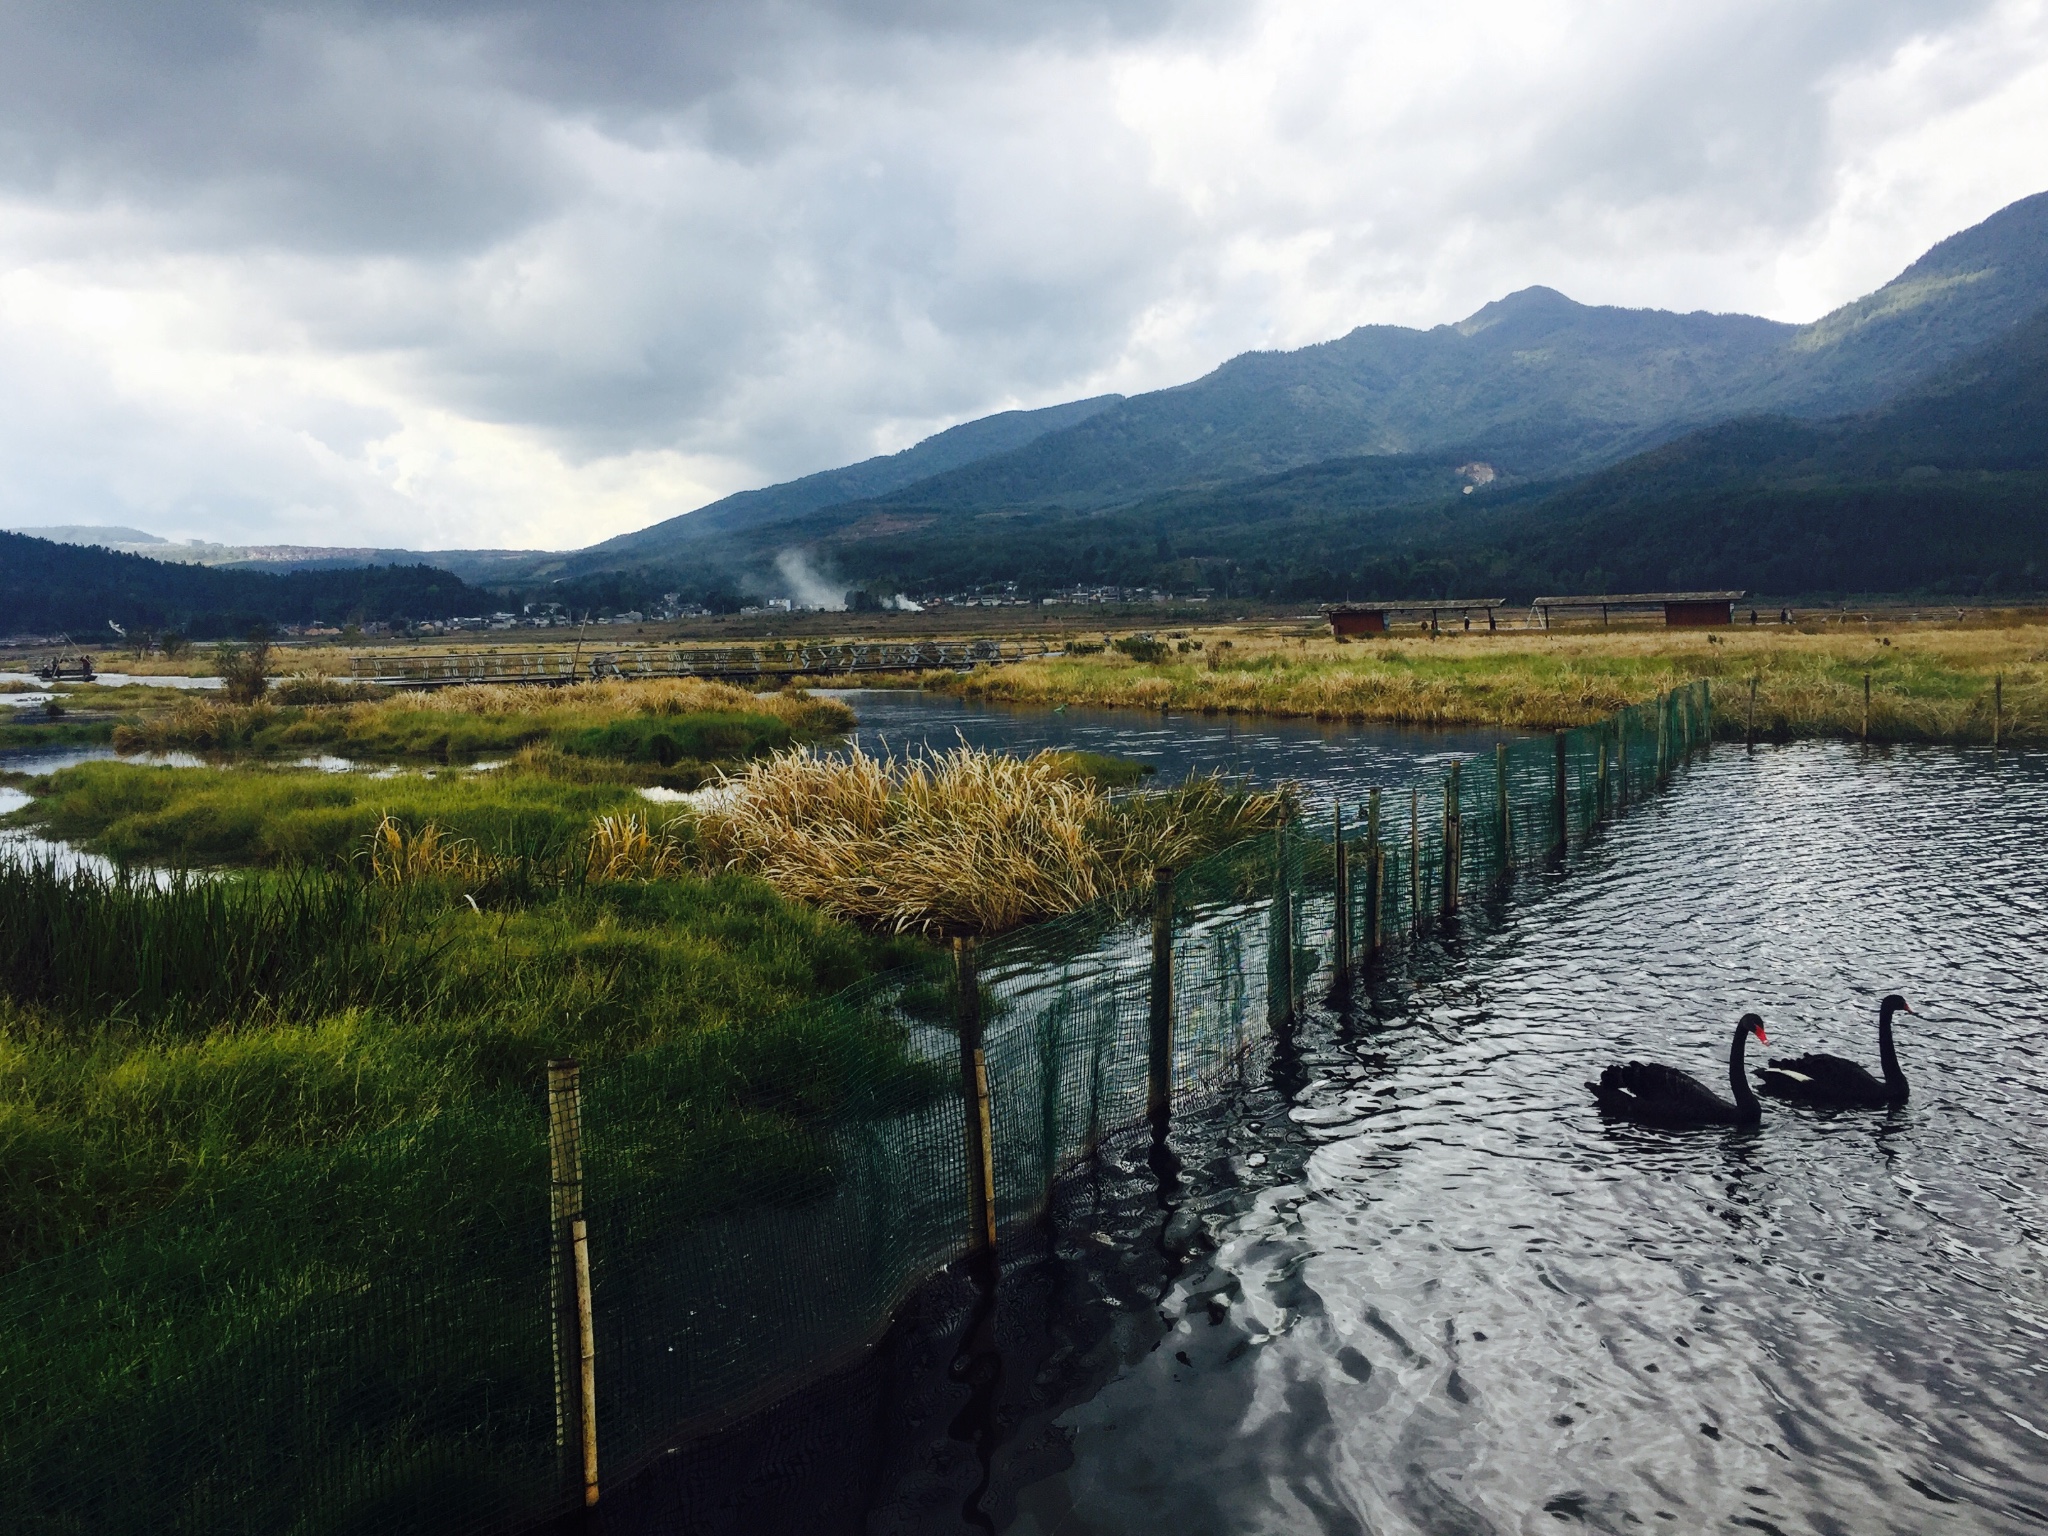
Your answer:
<point x="1928" y="683"/>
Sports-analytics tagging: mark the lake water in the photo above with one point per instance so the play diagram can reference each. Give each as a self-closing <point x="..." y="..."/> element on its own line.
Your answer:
<point x="36" y="695"/>
<point x="1323" y="758"/>
<point x="1413" y="1282"/>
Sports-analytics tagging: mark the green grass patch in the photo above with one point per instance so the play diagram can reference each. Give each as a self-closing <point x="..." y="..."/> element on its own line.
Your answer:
<point x="1104" y="769"/>
<point x="262" y="816"/>
<point x="156" y="1042"/>
<point x="299" y="1117"/>
<point x="19" y="735"/>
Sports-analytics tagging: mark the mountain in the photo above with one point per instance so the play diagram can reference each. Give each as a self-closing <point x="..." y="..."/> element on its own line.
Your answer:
<point x="74" y="533"/>
<point x="1941" y="489"/>
<point x="1965" y="292"/>
<point x="47" y="586"/>
<point x="988" y="437"/>
<point x="1535" y="384"/>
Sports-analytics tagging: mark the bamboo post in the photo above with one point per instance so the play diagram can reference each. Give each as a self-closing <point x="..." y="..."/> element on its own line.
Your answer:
<point x="1375" y="873"/>
<point x="1503" y="815"/>
<point x="1749" y="722"/>
<point x="1414" y="857"/>
<point x="1159" y="1078"/>
<point x="1558" y="791"/>
<point x="1866" y="706"/>
<point x="981" y="1166"/>
<point x="1343" y="901"/>
<point x="1997" y="708"/>
<point x="1453" y="840"/>
<point x="575" y="1335"/>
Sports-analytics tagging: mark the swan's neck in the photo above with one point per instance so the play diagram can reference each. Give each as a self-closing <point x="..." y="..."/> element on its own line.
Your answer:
<point x="1738" y="1079"/>
<point x="1888" y="1057"/>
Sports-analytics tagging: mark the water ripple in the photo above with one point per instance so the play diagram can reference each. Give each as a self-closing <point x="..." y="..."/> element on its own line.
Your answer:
<point x="1480" y="1308"/>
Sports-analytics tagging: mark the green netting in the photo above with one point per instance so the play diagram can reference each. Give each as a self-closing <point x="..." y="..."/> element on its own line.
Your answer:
<point x="369" y="1339"/>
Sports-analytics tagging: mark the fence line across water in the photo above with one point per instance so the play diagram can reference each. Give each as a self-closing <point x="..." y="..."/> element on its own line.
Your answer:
<point x="540" y="1301"/>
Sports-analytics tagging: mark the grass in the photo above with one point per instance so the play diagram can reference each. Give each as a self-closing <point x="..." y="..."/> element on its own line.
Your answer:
<point x="155" y="1040"/>
<point x="963" y="841"/>
<point x="1927" y="683"/>
<point x="669" y="731"/>
<point x="299" y="1112"/>
<point x="253" y="815"/>
<point x="23" y="735"/>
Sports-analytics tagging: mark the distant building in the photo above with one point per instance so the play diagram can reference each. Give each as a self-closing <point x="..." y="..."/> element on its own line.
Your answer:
<point x="1682" y="610"/>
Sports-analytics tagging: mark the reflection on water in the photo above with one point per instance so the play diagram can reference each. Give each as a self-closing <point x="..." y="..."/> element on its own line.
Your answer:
<point x="1412" y="1282"/>
<point x="1322" y="758"/>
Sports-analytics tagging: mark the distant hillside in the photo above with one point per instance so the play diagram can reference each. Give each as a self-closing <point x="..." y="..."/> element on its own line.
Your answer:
<point x="1965" y="292"/>
<point x="46" y="586"/>
<point x="1944" y="490"/>
<point x="750" y="510"/>
<point x="1536" y="384"/>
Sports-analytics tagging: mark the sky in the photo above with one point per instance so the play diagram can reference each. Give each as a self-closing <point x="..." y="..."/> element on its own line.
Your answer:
<point x="528" y="275"/>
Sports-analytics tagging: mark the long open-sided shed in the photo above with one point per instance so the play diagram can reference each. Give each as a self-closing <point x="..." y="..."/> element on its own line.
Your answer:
<point x="1682" y="610"/>
<point x="1377" y="618"/>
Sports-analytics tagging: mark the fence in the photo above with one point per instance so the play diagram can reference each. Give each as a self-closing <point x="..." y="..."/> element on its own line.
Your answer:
<point x="479" y="1324"/>
<point x="763" y="663"/>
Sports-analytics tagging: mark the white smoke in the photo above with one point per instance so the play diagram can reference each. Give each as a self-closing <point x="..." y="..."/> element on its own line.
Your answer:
<point x="807" y="589"/>
<point x="902" y="604"/>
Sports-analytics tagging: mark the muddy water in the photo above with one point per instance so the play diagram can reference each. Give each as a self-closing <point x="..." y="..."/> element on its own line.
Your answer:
<point x="1413" y="1282"/>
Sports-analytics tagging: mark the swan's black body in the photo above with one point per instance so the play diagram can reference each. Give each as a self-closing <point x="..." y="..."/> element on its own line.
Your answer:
<point x="1833" y="1082"/>
<point x="1664" y="1096"/>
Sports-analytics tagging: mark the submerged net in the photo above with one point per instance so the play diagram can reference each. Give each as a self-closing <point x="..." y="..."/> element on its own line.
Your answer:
<point x="383" y="1338"/>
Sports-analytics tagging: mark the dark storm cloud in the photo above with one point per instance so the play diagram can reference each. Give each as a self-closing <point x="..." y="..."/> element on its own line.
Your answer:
<point x="357" y="259"/>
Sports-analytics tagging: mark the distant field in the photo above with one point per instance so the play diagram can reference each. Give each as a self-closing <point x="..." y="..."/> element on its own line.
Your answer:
<point x="1928" y="681"/>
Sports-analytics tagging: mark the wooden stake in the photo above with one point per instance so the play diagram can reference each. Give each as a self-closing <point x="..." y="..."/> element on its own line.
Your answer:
<point x="1283" y="913"/>
<point x="1159" y="1078"/>
<point x="1600" y="782"/>
<point x="1558" y="794"/>
<point x="1375" y="872"/>
<point x="1997" y="708"/>
<point x="1866" y="706"/>
<point x="1414" y="857"/>
<point x="1749" y="724"/>
<point x="1454" y="834"/>
<point x="981" y="1164"/>
<point x="1343" y="901"/>
<point x="1504" y="817"/>
<point x="575" y="1333"/>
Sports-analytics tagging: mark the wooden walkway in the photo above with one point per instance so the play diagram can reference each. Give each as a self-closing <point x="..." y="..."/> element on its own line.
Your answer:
<point x="726" y="663"/>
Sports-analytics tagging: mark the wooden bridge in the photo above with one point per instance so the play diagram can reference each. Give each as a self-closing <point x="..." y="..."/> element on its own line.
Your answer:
<point x="759" y="664"/>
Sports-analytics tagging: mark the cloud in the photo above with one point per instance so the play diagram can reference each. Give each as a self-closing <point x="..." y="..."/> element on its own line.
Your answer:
<point x="481" y="274"/>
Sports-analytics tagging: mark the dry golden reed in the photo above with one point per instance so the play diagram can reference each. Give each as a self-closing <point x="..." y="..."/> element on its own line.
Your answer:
<point x="959" y="841"/>
<point x="629" y="847"/>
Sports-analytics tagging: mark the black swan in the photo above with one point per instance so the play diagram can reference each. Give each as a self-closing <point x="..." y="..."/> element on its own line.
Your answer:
<point x="1835" y="1083"/>
<point x="1664" y="1096"/>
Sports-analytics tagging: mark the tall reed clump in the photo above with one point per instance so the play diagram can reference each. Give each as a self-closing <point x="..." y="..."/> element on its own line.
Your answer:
<point x="960" y="841"/>
<point x="119" y="947"/>
<point x="627" y="846"/>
